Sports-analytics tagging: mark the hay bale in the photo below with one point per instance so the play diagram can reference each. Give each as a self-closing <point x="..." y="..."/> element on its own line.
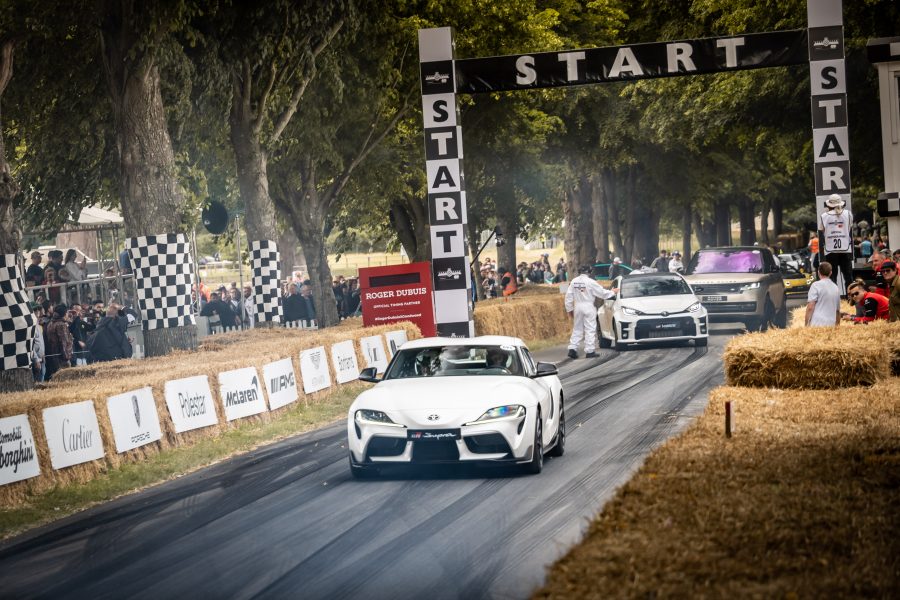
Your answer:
<point x="801" y="502"/>
<point x="247" y="349"/>
<point x="813" y="357"/>
<point x="540" y="317"/>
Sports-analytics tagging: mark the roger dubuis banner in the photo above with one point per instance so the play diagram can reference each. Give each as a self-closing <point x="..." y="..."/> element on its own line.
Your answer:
<point x="635" y="61"/>
<point x="134" y="419"/>
<point x="18" y="454"/>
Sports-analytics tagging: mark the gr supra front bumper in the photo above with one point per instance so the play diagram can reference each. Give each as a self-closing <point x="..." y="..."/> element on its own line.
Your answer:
<point x="505" y="441"/>
<point x="649" y="329"/>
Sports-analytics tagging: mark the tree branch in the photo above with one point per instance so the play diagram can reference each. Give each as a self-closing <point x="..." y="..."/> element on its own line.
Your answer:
<point x="6" y="64"/>
<point x="282" y="121"/>
<point x="259" y="117"/>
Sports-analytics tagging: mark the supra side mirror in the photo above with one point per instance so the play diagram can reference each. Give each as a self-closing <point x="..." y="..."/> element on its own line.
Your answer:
<point x="369" y="374"/>
<point x="544" y="369"/>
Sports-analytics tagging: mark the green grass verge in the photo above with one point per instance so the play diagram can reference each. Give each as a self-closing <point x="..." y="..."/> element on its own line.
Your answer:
<point x="169" y="464"/>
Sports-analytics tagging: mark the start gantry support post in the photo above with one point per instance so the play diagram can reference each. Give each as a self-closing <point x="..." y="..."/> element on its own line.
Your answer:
<point x="446" y="185"/>
<point x="884" y="53"/>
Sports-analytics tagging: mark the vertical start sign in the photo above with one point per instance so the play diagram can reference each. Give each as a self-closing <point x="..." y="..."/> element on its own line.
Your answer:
<point x="398" y="293"/>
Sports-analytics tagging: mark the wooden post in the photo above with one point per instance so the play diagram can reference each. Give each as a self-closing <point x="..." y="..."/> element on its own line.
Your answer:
<point x="729" y="418"/>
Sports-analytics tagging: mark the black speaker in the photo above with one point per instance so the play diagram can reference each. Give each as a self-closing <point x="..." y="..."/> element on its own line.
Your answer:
<point x="215" y="217"/>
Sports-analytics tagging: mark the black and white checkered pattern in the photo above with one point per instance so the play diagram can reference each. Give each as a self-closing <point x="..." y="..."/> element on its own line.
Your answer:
<point x="16" y="321"/>
<point x="265" y="258"/>
<point x="164" y="274"/>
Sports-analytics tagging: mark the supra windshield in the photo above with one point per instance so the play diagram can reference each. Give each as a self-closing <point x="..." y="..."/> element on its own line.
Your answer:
<point x="726" y="261"/>
<point x="442" y="361"/>
<point x="638" y="286"/>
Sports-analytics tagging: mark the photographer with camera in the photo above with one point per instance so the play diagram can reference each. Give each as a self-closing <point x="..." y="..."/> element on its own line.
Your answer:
<point x="109" y="342"/>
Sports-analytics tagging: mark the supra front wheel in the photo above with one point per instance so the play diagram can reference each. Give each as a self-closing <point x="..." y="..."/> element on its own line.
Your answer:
<point x="536" y="464"/>
<point x="560" y="448"/>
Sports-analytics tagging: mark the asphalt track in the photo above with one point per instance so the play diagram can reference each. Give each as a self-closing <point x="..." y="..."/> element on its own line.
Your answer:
<point x="287" y="520"/>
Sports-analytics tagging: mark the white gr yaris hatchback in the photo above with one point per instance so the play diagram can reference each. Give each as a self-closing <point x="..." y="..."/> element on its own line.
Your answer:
<point x="470" y="400"/>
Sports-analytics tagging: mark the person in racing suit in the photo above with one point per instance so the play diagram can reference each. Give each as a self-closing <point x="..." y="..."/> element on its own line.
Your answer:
<point x="580" y="306"/>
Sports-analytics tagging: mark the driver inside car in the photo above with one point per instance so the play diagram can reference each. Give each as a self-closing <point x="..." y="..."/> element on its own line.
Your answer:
<point x="496" y="359"/>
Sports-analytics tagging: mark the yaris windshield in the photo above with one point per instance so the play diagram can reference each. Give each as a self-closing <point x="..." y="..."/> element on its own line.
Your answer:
<point x="639" y="286"/>
<point x="449" y="361"/>
<point x="726" y="261"/>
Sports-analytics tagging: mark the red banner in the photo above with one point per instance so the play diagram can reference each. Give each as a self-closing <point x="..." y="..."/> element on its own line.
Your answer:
<point x="398" y="293"/>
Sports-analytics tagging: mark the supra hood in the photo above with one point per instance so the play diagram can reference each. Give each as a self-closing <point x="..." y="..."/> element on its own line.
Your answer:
<point x="658" y="304"/>
<point x="447" y="393"/>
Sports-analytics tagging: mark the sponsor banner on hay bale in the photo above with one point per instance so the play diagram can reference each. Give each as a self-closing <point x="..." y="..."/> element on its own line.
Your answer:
<point x="241" y="394"/>
<point x="280" y="383"/>
<point x="373" y="349"/>
<point x="134" y="419"/>
<point x="395" y="339"/>
<point x="183" y="420"/>
<point x="73" y="434"/>
<point x="18" y="452"/>
<point x="314" y="370"/>
<point x="190" y="403"/>
<point x="343" y="357"/>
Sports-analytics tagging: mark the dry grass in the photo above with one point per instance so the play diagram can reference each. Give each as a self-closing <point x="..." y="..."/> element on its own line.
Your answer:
<point x="801" y="503"/>
<point x="814" y="357"/>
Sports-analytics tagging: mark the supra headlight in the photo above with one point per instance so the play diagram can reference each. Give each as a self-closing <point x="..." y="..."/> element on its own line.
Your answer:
<point x="502" y="413"/>
<point x="750" y="286"/>
<point x="374" y="417"/>
<point x="632" y="312"/>
<point x="694" y="307"/>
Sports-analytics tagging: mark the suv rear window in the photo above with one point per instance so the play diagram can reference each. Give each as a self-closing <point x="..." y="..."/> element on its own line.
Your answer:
<point x="726" y="261"/>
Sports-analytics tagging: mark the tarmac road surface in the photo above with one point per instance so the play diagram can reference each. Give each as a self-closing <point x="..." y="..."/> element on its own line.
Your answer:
<point x="288" y="520"/>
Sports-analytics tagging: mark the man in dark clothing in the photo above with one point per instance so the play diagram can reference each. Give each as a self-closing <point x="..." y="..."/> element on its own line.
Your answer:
<point x="79" y="330"/>
<point x="216" y="306"/>
<point x="351" y="298"/>
<point x="34" y="275"/>
<point x="309" y="307"/>
<point x="109" y="341"/>
<point x="293" y="305"/>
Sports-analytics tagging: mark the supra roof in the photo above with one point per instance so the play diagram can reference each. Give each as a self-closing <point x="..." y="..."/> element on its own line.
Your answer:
<point x="484" y="340"/>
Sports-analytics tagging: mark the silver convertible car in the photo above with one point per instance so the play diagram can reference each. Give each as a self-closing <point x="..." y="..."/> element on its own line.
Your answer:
<point x="442" y="400"/>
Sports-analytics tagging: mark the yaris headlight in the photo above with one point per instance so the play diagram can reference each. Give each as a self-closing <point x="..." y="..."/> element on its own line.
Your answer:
<point x="632" y="312"/>
<point x="509" y="412"/>
<point x="373" y="417"/>
<point x="695" y="307"/>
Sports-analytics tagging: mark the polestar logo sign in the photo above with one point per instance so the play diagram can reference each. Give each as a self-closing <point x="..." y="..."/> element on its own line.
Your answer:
<point x="449" y="274"/>
<point x="433" y="417"/>
<point x="437" y="77"/>
<point x="826" y="43"/>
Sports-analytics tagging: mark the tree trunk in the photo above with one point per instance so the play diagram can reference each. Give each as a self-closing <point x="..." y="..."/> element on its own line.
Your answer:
<point x="287" y="248"/>
<point x="777" y="217"/>
<point x="509" y="226"/>
<point x="747" y="219"/>
<point x="612" y="206"/>
<point x="629" y="215"/>
<point x="307" y="212"/>
<point x="601" y="221"/>
<point x="686" y="235"/>
<point x="410" y="220"/>
<point x="723" y="222"/>
<point x="764" y="222"/>
<point x="252" y="173"/>
<point x="579" y="226"/>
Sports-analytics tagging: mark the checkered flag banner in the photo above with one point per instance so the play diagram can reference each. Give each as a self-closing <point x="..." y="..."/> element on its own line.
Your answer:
<point x="163" y="274"/>
<point x="17" y="324"/>
<point x="264" y="258"/>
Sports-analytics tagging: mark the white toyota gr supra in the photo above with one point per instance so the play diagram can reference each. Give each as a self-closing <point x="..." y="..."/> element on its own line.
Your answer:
<point x="442" y="400"/>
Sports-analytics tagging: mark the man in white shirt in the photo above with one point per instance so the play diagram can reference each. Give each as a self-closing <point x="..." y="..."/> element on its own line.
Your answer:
<point x="824" y="300"/>
<point x="835" y="227"/>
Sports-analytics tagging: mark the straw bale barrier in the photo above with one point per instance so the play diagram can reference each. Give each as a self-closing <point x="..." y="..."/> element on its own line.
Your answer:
<point x="798" y="315"/>
<point x="223" y="352"/>
<point x="537" y="317"/>
<point x="801" y="502"/>
<point x="814" y="357"/>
